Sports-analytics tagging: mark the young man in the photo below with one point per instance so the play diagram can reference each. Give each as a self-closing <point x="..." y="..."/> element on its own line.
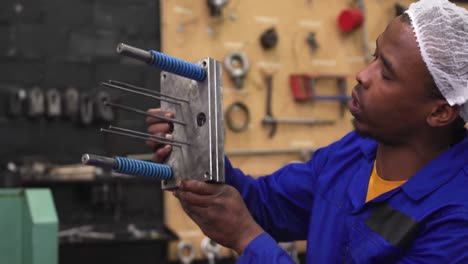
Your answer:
<point x="393" y="190"/>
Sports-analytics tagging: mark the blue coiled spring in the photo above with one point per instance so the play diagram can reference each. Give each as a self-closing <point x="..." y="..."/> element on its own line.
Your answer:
<point x="177" y="66"/>
<point x="144" y="168"/>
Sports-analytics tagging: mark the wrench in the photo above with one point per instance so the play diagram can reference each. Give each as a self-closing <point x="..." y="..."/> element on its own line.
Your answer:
<point x="269" y="114"/>
<point x="210" y="249"/>
<point x="185" y="252"/>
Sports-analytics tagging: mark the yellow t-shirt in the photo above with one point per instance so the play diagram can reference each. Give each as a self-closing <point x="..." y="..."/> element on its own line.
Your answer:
<point x="378" y="186"/>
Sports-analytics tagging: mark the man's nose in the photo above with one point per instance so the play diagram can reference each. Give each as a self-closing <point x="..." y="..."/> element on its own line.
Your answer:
<point x="363" y="77"/>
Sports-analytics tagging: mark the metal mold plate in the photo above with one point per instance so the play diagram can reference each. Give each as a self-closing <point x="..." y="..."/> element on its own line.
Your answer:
<point x="203" y="159"/>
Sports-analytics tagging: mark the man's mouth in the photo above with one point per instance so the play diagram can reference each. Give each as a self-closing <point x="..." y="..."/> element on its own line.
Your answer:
<point x="354" y="104"/>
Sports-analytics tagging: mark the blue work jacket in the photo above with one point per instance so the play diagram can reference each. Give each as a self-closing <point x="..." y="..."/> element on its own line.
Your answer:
<point x="323" y="201"/>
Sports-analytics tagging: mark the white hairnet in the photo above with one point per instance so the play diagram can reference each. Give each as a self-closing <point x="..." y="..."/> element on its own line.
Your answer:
<point x="441" y="30"/>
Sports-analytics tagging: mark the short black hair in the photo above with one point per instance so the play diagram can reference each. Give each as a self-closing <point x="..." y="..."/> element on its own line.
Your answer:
<point x="405" y="18"/>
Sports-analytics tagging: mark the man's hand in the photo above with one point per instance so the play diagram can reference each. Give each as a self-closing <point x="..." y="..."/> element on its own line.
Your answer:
<point x="220" y="212"/>
<point x="217" y="209"/>
<point x="160" y="128"/>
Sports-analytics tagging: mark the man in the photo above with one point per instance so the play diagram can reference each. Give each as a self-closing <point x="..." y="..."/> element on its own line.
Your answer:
<point x="393" y="190"/>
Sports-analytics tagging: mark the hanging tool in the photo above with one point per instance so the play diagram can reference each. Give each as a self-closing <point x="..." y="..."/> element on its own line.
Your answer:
<point x="16" y="102"/>
<point x="237" y="65"/>
<point x="303" y="87"/>
<point x="71" y="103"/>
<point x="272" y="122"/>
<point x="269" y="39"/>
<point x="185" y="252"/>
<point x="36" y="102"/>
<point x="210" y="249"/>
<point x="232" y="119"/>
<point x="101" y="110"/>
<point x="365" y="33"/>
<point x="86" y="109"/>
<point x="312" y="42"/>
<point x="350" y="19"/>
<point x="216" y="7"/>
<point x="54" y="103"/>
<point x="85" y="232"/>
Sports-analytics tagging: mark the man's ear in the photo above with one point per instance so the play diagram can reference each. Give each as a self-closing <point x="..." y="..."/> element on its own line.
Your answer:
<point x="442" y="114"/>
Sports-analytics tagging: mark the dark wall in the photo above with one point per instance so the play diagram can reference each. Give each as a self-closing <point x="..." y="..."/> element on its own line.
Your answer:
<point x="71" y="43"/>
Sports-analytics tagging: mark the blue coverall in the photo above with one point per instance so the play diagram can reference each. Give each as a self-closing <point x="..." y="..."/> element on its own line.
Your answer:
<point x="323" y="201"/>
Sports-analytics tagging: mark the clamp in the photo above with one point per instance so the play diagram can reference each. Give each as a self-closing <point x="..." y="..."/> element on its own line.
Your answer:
<point x="272" y="122"/>
<point x="303" y="89"/>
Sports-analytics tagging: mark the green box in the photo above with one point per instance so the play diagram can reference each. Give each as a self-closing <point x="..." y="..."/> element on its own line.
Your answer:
<point x="28" y="227"/>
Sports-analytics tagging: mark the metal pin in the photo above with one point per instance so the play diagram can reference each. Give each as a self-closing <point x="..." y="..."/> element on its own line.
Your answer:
<point x="148" y="135"/>
<point x="138" y="111"/>
<point x="126" y="85"/>
<point x="136" y="53"/>
<point x="139" y="137"/>
<point x="99" y="161"/>
<point x="140" y="93"/>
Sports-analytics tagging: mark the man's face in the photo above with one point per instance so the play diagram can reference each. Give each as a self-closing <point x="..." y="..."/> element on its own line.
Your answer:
<point x="390" y="102"/>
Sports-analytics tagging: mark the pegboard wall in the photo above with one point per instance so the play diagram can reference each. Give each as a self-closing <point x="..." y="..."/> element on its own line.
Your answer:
<point x="189" y="32"/>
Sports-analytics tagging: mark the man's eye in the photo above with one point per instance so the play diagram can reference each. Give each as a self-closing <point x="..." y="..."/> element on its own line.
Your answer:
<point x="385" y="77"/>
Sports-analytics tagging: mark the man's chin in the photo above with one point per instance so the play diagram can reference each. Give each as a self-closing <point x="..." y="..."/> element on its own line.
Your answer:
<point x="359" y="130"/>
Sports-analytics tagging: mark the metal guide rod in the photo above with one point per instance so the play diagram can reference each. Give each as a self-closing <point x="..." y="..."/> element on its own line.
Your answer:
<point x="138" y="111"/>
<point x="130" y="166"/>
<point x="164" y="62"/>
<point x="148" y="135"/>
<point x="126" y="85"/>
<point x="139" y="137"/>
<point x="139" y="93"/>
<point x="99" y="161"/>
<point x="135" y="53"/>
